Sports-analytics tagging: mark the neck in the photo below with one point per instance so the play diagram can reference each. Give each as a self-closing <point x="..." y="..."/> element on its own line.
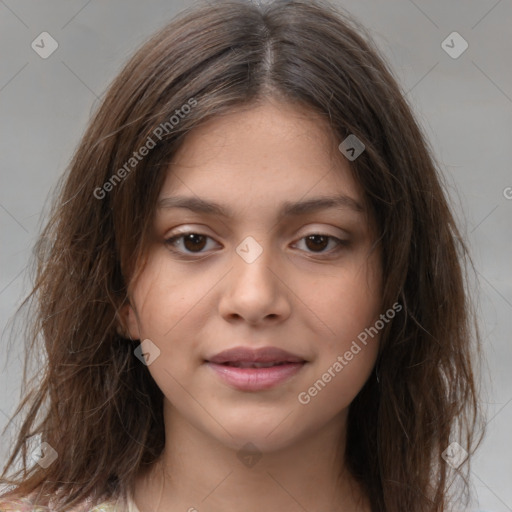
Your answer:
<point x="197" y="472"/>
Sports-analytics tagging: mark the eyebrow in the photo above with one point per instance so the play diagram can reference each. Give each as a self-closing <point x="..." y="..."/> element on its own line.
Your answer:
<point x="288" y="209"/>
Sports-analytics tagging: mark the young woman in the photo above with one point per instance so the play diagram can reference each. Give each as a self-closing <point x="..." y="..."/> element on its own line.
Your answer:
<point x="251" y="292"/>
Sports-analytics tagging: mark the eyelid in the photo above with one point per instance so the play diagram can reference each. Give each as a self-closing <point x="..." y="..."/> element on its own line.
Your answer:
<point x="320" y="229"/>
<point x="189" y="228"/>
<point x="310" y="230"/>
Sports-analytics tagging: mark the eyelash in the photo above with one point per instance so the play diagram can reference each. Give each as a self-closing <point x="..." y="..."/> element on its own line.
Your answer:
<point x="169" y="242"/>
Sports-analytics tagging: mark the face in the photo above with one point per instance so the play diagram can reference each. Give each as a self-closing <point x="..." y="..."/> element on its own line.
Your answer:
<point x="283" y="279"/>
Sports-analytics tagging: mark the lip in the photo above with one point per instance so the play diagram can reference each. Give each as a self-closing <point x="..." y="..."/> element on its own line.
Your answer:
<point x="250" y="355"/>
<point x="255" y="379"/>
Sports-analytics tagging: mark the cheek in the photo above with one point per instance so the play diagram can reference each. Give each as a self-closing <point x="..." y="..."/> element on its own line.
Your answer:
<point x="345" y="302"/>
<point x="349" y="306"/>
<point x="165" y="307"/>
<point x="164" y="297"/>
<point x="336" y="385"/>
<point x="344" y="360"/>
<point x="170" y="313"/>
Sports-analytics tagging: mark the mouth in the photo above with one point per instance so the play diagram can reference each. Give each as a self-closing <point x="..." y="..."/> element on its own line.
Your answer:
<point x="253" y="364"/>
<point x="247" y="369"/>
<point x="263" y="356"/>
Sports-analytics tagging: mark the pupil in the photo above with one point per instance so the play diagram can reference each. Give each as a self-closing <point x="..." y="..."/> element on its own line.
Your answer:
<point x="315" y="238"/>
<point x="191" y="244"/>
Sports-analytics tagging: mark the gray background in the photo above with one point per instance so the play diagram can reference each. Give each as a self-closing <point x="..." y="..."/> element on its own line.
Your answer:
<point x="463" y="104"/>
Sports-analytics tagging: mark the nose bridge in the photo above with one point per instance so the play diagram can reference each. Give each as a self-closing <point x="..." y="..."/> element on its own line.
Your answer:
<point x="253" y="259"/>
<point x="253" y="289"/>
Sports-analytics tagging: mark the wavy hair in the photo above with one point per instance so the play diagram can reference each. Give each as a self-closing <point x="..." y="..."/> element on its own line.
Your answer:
<point x="97" y="406"/>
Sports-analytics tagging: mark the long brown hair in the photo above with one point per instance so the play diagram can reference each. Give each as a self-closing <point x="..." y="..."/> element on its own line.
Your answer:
<point x="97" y="405"/>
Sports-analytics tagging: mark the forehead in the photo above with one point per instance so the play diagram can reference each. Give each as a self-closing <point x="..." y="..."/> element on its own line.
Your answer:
<point x="263" y="131"/>
<point x="261" y="154"/>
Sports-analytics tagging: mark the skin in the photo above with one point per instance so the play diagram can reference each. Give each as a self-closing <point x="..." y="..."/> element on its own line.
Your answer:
<point x="311" y="299"/>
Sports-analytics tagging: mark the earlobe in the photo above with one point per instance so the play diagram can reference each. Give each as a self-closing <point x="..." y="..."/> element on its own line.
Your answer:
<point x="127" y="323"/>
<point x="121" y="331"/>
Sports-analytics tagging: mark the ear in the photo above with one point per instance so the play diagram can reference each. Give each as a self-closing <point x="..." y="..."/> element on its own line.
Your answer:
<point x="128" y="326"/>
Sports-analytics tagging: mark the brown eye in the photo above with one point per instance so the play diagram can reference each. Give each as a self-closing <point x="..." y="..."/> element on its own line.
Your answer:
<point x="187" y="243"/>
<point x="317" y="242"/>
<point x="194" y="242"/>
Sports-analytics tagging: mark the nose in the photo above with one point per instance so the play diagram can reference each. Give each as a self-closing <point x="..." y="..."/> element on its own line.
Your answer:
<point x="256" y="291"/>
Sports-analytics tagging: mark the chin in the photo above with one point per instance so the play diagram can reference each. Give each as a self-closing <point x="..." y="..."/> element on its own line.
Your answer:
<point x="258" y="441"/>
<point x="268" y="434"/>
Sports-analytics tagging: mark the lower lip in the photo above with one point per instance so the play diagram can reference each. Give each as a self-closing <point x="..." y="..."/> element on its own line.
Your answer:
<point x="255" y="379"/>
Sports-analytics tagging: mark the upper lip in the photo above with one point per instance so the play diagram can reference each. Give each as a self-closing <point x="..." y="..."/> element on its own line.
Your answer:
<point x="250" y="355"/>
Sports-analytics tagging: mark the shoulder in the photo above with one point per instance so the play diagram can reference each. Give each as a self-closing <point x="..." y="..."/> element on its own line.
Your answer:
<point x="13" y="501"/>
<point x="107" y="506"/>
<point x="19" y="505"/>
<point x="26" y="505"/>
